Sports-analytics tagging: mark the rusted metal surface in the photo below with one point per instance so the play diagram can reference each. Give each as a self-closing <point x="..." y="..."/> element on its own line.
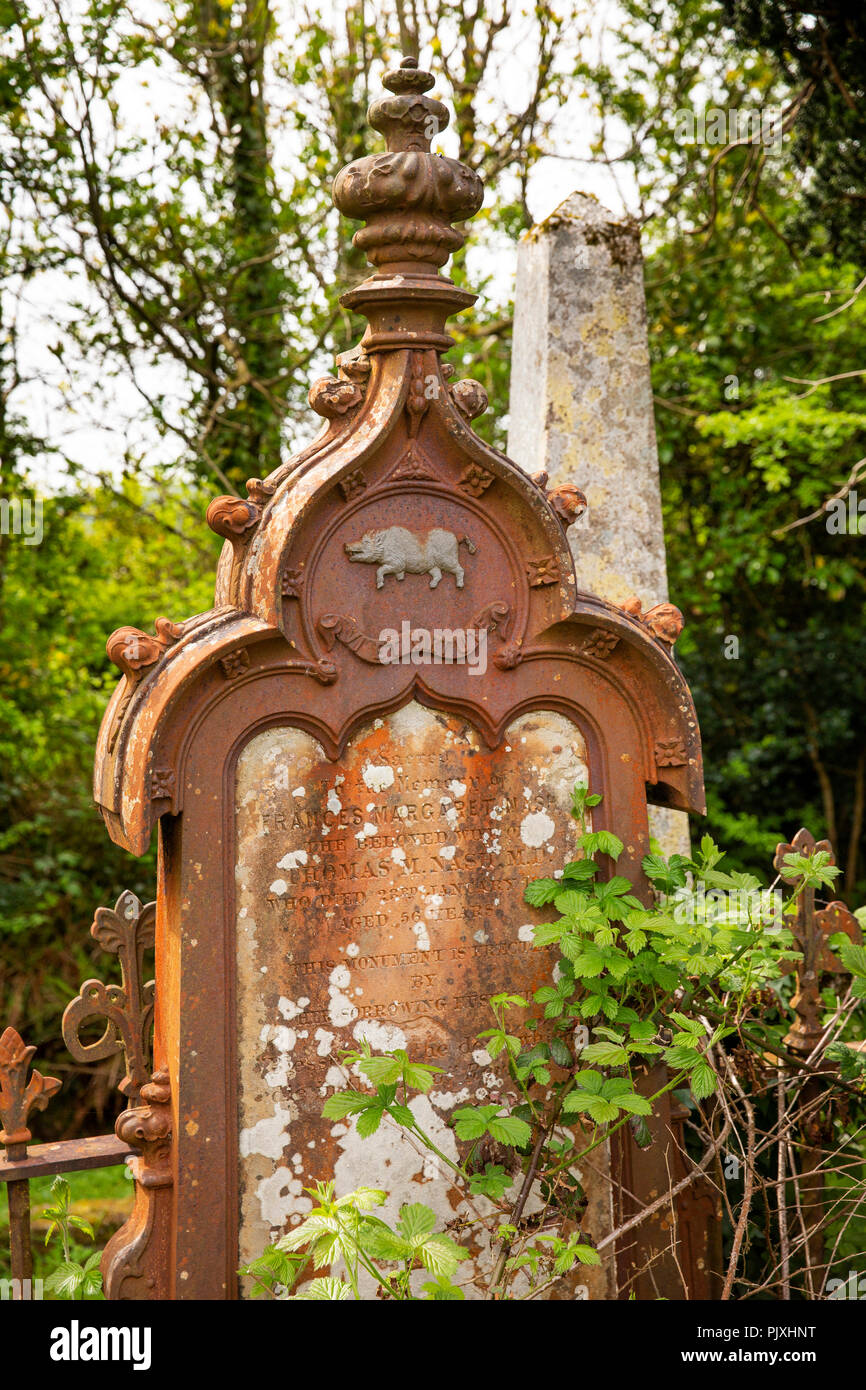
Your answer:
<point x="675" y="1254"/>
<point x="811" y="930"/>
<point x="397" y="878"/>
<point x="18" y="1096"/>
<point x="126" y="931"/>
<point x="397" y="513"/>
<point x="136" y="1262"/>
<point x="66" y="1156"/>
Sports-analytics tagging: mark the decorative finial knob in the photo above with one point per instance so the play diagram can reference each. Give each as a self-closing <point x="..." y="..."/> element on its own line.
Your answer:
<point x="408" y="119"/>
<point x="409" y="197"/>
<point x="408" y="77"/>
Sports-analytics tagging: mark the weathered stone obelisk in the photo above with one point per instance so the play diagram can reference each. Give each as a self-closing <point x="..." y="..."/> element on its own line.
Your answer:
<point x="581" y="406"/>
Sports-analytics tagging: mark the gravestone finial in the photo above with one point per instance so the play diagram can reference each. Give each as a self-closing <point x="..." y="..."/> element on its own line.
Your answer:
<point x="409" y="197"/>
<point x="409" y="120"/>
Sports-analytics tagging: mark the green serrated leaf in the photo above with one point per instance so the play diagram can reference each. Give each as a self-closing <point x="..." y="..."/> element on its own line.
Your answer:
<point x="541" y="891"/>
<point x="547" y="933"/>
<point x="494" y="1182"/>
<point x="441" y="1255"/>
<point x="641" y="1131"/>
<point x="331" y="1290"/>
<point x="343" y="1103"/>
<point x="583" y="1102"/>
<point x="634" y="1104"/>
<point x="703" y="1081"/>
<point x="682" y="1058"/>
<point x="369" y="1120"/>
<point x="606" y="1054"/>
<point x="469" y="1123"/>
<point x="691" y="1025"/>
<point x="66" y="1279"/>
<point x="382" y="1071"/>
<point x="508" y="1129"/>
<point x="415" y="1220"/>
<point x="579" y="871"/>
<point x="402" y="1114"/>
<point x="586" y="1255"/>
<point x="419" y="1076"/>
<point x="443" y="1291"/>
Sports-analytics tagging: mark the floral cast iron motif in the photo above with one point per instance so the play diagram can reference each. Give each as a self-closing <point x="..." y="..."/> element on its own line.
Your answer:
<point x="18" y="1096"/>
<point x="543" y="571"/>
<point x="670" y="752"/>
<point x="600" y="644"/>
<point x="126" y="931"/>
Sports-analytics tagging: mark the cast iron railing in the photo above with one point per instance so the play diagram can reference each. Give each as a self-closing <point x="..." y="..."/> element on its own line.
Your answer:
<point x="127" y="931"/>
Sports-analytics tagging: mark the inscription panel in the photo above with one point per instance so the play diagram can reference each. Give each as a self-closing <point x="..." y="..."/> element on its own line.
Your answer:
<point x="381" y="898"/>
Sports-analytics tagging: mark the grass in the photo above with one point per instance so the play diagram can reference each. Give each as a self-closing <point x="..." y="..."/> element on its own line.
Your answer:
<point x="101" y="1196"/>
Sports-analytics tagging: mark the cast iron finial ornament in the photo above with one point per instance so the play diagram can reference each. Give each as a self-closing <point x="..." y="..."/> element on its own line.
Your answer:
<point x="18" y="1094"/>
<point x="812" y="930"/>
<point x="408" y="197"/>
<point x="396" y="512"/>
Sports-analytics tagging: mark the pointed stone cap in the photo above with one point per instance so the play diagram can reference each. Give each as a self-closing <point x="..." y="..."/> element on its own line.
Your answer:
<point x="408" y="197"/>
<point x="611" y="241"/>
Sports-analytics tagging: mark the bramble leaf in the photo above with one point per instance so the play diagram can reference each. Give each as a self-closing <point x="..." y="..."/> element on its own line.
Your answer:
<point x="494" y="1182"/>
<point x="343" y="1103"/>
<point x="703" y="1081"/>
<point x="541" y="891"/>
<point x="332" y="1290"/>
<point x="443" y="1290"/>
<point x="508" y="1129"/>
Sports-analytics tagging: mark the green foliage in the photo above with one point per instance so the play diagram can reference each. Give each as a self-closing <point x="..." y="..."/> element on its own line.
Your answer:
<point x="820" y="50"/>
<point x="72" y="1278"/>
<point x="106" y="560"/>
<point x="101" y="1197"/>
<point x="343" y="1230"/>
<point x="473" y="1122"/>
<point x="751" y="451"/>
<point x="756" y="314"/>
<point x="853" y="957"/>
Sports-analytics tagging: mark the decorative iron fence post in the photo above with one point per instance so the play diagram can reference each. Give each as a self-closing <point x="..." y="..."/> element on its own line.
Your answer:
<point x="18" y="1097"/>
<point x="126" y="931"/>
<point x="811" y="930"/>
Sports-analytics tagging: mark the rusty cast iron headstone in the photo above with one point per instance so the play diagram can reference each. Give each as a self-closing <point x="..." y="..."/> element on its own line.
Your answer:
<point x="358" y="758"/>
